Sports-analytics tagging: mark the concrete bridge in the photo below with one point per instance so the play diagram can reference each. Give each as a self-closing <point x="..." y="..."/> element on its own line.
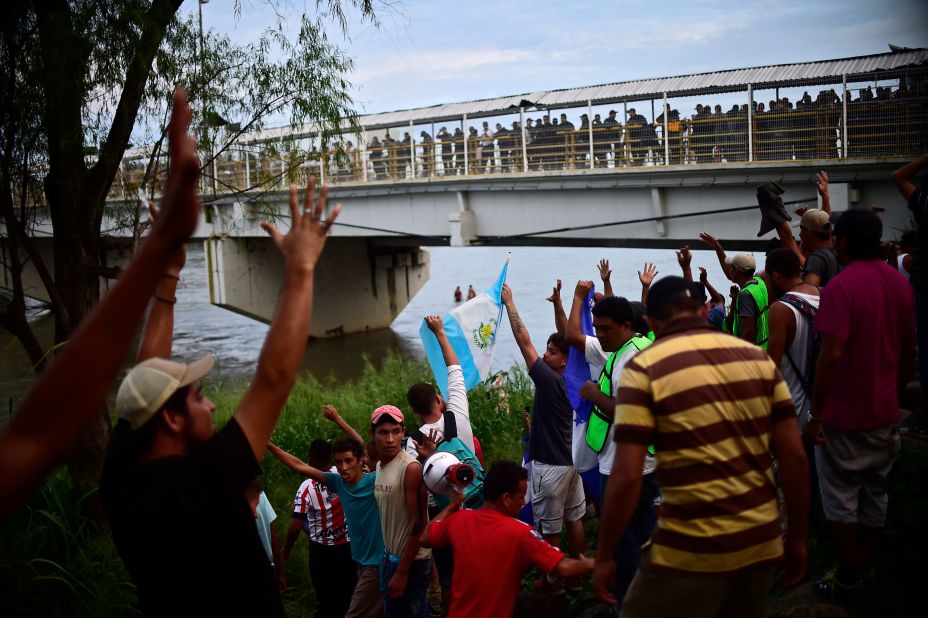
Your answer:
<point x="654" y="177"/>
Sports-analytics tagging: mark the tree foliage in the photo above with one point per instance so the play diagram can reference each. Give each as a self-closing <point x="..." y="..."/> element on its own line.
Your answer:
<point x="82" y="78"/>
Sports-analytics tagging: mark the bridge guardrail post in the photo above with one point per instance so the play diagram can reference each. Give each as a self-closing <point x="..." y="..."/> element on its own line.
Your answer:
<point x="524" y="146"/>
<point x="750" y="123"/>
<point x="589" y="122"/>
<point x="844" y="117"/>
<point x="465" y="131"/>
<point x="664" y="131"/>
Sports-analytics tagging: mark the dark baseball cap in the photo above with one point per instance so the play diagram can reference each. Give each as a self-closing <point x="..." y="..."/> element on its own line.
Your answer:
<point x="670" y="289"/>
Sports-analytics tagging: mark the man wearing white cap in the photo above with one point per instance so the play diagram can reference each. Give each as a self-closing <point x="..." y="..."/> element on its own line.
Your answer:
<point x="749" y="315"/>
<point x="172" y="485"/>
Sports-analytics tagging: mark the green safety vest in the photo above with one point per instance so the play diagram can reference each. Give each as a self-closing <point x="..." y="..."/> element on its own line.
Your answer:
<point x="758" y="290"/>
<point x="600" y="422"/>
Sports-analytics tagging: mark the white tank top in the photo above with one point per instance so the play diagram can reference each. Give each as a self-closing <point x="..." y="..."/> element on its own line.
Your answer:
<point x="390" y="493"/>
<point x="798" y="351"/>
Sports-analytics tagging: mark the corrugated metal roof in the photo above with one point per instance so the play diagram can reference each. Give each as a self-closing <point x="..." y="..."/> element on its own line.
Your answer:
<point x="798" y="74"/>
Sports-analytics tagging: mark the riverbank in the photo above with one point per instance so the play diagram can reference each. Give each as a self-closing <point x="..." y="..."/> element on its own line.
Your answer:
<point x="55" y="561"/>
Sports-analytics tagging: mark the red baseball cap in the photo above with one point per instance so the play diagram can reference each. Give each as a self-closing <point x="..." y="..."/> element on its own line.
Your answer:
<point x="392" y="411"/>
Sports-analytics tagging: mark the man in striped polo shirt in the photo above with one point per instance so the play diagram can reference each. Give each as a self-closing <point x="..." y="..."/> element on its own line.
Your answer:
<point x="319" y="513"/>
<point x="715" y="408"/>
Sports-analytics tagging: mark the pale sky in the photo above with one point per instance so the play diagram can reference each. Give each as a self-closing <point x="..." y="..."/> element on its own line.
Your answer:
<point x="439" y="51"/>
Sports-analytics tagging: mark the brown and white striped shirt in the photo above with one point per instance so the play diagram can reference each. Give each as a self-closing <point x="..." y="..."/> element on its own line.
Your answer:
<point x="707" y="401"/>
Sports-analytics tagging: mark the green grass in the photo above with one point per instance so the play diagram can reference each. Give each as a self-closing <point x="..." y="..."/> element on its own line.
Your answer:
<point x="55" y="561"/>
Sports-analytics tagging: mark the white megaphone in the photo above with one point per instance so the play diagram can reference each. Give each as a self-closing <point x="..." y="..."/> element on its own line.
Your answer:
<point x="444" y="473"/>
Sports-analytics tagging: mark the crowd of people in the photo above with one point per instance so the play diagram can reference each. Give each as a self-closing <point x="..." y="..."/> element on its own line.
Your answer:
<point x="710" y="424"/>
<point x="881" y="121"/>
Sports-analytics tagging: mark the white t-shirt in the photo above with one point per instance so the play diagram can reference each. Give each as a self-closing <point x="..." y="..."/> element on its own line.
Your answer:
<point x="798" y="351"/>
<point x="455" y="404"/>
<point x="597" y="357"/>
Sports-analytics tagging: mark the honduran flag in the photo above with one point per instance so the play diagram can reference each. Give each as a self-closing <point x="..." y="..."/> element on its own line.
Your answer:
<point x="471" y="330"/>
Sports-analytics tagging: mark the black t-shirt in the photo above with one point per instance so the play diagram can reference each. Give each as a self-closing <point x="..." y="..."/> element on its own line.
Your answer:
<point x="186" y="534"/>
<point x="551" y="417"/>
<point x="824" y="263"/>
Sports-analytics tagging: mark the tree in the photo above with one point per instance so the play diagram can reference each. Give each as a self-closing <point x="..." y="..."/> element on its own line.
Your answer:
<point x="81" y="77"/>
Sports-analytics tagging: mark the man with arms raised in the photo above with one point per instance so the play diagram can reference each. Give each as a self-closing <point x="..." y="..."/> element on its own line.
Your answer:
<point x="172" y="485"/>
<point x="714" y="407"/>
<point x="493" y="549"/>
<point x="557" y="491"/>
<point x="616" y="342"/>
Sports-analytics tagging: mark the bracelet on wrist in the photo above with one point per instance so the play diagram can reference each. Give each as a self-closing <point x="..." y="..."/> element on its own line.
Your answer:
<point x="169" y="301"/>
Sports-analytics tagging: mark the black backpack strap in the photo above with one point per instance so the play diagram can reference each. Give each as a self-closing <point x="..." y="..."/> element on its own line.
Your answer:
<point x="451" y="425"/>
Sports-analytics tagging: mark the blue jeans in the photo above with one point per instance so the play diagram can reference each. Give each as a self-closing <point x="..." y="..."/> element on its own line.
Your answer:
<point x="412" y="604"/>
<point x="628" y="550"/>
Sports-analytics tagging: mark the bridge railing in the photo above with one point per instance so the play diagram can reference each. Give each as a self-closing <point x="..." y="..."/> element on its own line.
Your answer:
<point x="862" y="117"/>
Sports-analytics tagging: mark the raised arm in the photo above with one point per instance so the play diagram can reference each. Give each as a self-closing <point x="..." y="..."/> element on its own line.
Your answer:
<point x="714" y="242"/>
<point x="785" y="232"/>
<point x="295" y="463"/>
<point x="329" y="411"/>
<point x="560" y="318"/>
<point x="646" y="277"/>
<point x="286" y="340"/>
<point x="158" y="332"/>
<point x="606" y="275"/>
<point x="447" y="352"/>
<point x="684" y="259"/>
<point x="902" y="177"/>
<point x="69" y="395"/>
<point x="519" y="330"/>
<point x="821" y="183"/>
<point x="714" y="295"/>
<point x="574" y="335"/>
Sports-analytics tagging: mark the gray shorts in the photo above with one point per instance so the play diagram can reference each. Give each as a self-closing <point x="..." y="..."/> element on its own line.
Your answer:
<point x="557" y="494"/>
<point x="853" y="473"/>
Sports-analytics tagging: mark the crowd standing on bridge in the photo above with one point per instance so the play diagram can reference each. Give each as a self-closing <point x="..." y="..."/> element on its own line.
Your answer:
<point x="709" y="428"/>
<point x="881" y="121"/>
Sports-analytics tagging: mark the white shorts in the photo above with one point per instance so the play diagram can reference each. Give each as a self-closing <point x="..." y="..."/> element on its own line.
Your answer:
<point x="557" y="494"/>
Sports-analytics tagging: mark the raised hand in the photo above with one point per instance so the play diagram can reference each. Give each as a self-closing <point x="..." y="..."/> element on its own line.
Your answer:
<point x="801" y="211"/>
<point x="684" y="257"/>
<point x="303" y="244"/>
<point x="710" y="240"/>
<point x="555" y="293"/>
<point x="428" y="446"/>
<point x="180" y="256"/>
<point x="583" y="288"/>
<point x="821" y="183"/>
<point x="329" y="411"/>
<point x="180" y="204"/>
<point x="647" y="275"/>
<point x="435" y="324"/>
<point x="703" y="276"/>
<point x="506" y="295"/>
<point x="604" y="271"/>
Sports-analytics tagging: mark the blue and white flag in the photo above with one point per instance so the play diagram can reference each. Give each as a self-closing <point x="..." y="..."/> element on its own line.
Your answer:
<point x="577" y="371"/>
<point x="576" y="374"/>
<point x="471" y="330"/>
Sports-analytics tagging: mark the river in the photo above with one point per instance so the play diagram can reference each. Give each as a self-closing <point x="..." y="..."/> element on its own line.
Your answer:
<point x="236" y="341"/>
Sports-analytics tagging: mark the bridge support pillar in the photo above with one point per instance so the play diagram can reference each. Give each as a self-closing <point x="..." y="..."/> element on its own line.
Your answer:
<point x="359" y="285"/>
<point x="658" y="210"/>
<point x="463" y="223"/>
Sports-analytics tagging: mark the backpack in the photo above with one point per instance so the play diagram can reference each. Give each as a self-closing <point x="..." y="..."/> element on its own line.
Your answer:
<point x="454" y="445"/>
<point x="807" y="311"/>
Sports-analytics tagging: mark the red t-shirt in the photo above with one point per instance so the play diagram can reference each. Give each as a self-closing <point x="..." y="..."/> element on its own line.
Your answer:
<point x="491" y="554"/>
<point x="872" y="307"/>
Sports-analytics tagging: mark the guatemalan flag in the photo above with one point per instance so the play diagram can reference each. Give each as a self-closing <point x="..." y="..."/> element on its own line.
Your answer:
<point x="471" y="330"/>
